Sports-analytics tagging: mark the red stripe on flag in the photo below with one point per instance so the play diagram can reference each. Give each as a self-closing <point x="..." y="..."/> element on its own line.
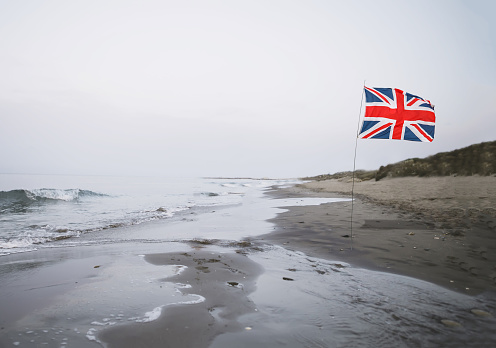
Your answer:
<point x="412" y="102"/>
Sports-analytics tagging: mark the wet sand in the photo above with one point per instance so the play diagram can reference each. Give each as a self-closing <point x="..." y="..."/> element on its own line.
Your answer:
<point x="221" y="281"/>
<point x="442" y="230"/>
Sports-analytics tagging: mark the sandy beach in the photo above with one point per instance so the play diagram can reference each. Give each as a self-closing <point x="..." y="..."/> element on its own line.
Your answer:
<point x="258" y="275"/>
<point x="440" y="229"/>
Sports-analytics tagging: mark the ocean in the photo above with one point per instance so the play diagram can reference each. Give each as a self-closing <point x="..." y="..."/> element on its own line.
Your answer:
<point x="40" y="211"/>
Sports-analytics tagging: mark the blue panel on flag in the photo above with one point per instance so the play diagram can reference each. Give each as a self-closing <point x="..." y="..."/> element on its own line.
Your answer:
<point x="382" y="135"/>
<point x="428" y="129"/>
<point x="387" y="92"/>
<point x="367" y="125"/>
<point x="427" y="105"/>
<point x="371" y="98"/>
<point x="410" y="96"/>
<point x="409" y="135"/>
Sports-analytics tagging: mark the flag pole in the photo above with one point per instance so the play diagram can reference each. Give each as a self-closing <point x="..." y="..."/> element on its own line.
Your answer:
<point x="354" y="169"/>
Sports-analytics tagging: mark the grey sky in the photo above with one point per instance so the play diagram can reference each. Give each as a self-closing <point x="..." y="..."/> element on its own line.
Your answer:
<point x="233" y="88"/>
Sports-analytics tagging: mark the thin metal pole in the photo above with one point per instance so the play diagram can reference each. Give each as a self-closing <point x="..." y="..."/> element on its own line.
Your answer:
<point x="354" y="168"/>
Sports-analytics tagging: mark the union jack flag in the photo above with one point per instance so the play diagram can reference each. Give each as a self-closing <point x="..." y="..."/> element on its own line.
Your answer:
<point x="391" y="113"/>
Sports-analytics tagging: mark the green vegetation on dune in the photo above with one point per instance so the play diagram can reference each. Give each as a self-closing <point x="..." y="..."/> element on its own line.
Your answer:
<point x="477" y="159"/>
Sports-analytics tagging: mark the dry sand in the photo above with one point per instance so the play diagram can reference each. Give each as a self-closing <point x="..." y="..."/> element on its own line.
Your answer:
<point x="440" y="229"/>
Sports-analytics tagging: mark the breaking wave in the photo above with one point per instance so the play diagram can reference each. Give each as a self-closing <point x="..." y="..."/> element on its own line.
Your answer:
<point x="21" y="200"/>
<point x="67" y="195"/>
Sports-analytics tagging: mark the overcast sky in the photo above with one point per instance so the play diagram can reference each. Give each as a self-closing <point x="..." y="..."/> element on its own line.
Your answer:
<point x="234" y="88"/>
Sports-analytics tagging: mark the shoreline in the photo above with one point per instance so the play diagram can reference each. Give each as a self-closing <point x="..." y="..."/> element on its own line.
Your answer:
<point x="244" y="276"/>
<point x="442" y="230"/>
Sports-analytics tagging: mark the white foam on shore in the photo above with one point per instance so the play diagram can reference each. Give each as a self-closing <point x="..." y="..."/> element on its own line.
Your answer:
<point x="182" y="286"/>
<point x="199" y="300"/>
<point x="179" y="269"/>
<point x="151" y="316"/>
<point x="106" y="323"/>
<point x="91" y="335"/>
<point x="155" y="313"/>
